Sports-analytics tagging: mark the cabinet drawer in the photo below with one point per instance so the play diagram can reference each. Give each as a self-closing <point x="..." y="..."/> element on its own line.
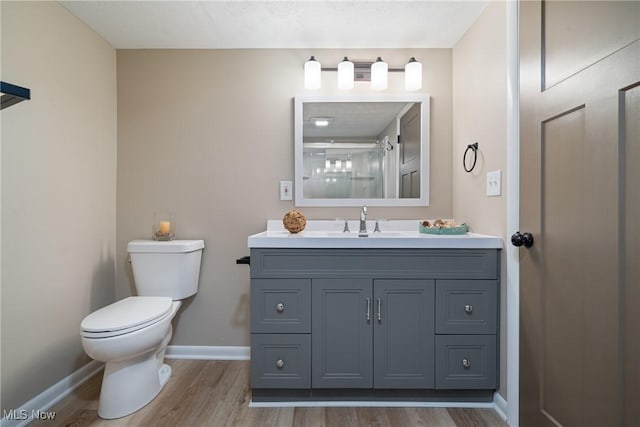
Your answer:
<point x="466" y="306"/>
<point x="466" y="362"/>
<point x="280" y="361"/>
<point x="280" y="306"/>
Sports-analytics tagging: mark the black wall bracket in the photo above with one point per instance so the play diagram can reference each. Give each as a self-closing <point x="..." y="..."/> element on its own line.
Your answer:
<point x="12" y="94"/>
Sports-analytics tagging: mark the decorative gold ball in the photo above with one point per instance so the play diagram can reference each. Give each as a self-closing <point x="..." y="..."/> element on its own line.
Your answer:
<point x="294" y="221"/>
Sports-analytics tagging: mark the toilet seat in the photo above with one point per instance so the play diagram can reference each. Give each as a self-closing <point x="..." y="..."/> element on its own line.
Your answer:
<point x="125" y="316"/>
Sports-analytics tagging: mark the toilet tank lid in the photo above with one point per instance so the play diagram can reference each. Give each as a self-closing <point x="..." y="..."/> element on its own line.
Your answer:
<point x="171" y="246"/>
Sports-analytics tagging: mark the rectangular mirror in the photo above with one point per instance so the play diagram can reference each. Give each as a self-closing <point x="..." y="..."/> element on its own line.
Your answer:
<point x="362" y="150"/>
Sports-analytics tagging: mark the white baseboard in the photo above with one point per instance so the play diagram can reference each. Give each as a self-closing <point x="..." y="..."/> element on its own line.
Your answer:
<point x="196" y="352"/>
<point x="38" y="406"/>
<point x="500" y="405"/>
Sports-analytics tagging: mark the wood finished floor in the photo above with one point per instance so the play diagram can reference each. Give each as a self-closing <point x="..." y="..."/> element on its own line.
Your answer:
<point x="216" y="393"/>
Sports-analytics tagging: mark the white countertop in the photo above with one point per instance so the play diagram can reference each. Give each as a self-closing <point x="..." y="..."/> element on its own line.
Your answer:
<point x="395" y="234"/>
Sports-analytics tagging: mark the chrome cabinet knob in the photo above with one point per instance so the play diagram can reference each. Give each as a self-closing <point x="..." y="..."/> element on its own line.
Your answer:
<point x="466" y="363"/>
<point x="468" y="308"/>
<point x="279" y="363"/>
<point x="280" y="307"/>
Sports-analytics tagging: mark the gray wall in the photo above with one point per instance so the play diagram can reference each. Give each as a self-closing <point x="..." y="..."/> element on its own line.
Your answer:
<point x="479" y="115"/>
<point x="58" y="193"/>
<point x="209" y="135"/>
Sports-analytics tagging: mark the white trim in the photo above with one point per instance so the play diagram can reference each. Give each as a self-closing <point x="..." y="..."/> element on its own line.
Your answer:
<point x="513" y="214"/>
<point x="370" y="404"/>
<point x="196" y="352"/>
<point x="53" y="394"/>
<point x="500" y="405"/>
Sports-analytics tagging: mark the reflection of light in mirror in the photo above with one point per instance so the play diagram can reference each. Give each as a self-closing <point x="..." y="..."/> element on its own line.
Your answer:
<point x="327" y="164"/>
<point x="349" y="164"/>
<point x="321" y="122"/>
<point x="338" y="164"/>
<point x="317" y="170"/>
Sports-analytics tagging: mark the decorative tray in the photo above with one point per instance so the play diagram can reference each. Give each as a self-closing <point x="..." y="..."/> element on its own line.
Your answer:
<point x="442" y="227"/>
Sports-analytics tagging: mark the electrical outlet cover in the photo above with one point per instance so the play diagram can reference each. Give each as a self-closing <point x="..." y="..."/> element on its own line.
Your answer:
<point x="494" y="183"/>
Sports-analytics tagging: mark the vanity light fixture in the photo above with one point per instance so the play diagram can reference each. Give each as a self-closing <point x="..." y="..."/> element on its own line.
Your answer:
<point x="345" y="74"/>
<point x="413" y="75"/>
<point x="375" y="72"/>
<point x="312" y="70"/>
<point x="379" y="70"/>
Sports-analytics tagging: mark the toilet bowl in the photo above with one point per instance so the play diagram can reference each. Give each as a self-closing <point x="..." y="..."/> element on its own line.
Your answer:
<point x="134" y="372"/>
<point x="131" y="335"/>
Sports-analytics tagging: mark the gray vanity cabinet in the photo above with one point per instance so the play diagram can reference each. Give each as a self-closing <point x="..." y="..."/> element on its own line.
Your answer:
<point x="372" y="323"/>
<point x="403" y="328"/>
<point x="342" y="337"/>
<point x="372" y="333"/>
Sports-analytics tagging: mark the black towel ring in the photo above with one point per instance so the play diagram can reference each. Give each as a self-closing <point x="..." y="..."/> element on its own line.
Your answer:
<point x="474" y="148"/>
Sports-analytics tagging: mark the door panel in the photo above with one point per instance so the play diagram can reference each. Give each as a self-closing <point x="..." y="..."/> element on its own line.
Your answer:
<point x="342" y="333"/>
<point x="577" y="37"/>
<point x="572" y="330"/>
<point x="563" y="195"/>
<point x="404" y="333"/>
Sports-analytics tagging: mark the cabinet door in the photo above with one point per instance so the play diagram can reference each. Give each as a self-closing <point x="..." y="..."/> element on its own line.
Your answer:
<point x="404" y="329"/>
<point x="342" y="338"/>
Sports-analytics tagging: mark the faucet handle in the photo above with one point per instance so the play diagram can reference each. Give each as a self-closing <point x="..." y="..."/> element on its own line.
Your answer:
<point x="346" y="225"/>
<point x="377" y="228"/>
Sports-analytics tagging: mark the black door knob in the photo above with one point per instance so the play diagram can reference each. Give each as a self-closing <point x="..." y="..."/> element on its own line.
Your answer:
<point x="525" y="239"/>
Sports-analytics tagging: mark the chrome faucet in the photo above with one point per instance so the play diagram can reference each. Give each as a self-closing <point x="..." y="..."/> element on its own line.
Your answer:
<point x="363" y="220"/>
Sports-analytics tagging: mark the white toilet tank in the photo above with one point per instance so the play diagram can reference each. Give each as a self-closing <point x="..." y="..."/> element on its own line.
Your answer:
<point x="166" y="269"/>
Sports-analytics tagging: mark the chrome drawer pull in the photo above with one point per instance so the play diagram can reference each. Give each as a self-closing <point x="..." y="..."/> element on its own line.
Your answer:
<point x="468" y="308"/>
<point x="368" y="315"/>
<point x="280" y="307"/>
<point x="280" y="364"/>
<point x="379" y="310"/>
<point x="466" y="364"/>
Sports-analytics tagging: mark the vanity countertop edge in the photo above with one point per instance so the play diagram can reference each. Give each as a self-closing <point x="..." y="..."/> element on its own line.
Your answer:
<point x="396" y="234"/>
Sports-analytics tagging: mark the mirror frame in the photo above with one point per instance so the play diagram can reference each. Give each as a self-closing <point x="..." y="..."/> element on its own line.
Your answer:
<point x="423" y="200"/>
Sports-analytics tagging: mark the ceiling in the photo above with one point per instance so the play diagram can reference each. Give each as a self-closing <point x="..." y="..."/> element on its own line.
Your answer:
<point x="313" y="24"/>
<point x="349" y="119"/>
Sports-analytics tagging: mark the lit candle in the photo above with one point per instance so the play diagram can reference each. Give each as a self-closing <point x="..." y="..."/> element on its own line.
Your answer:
<point x="165" y="227"/>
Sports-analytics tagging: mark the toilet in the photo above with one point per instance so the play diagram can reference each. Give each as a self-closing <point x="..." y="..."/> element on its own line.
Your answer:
<point x="130" y="336"/>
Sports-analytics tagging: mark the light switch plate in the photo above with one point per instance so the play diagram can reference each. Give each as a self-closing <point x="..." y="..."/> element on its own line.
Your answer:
<point x="494" y="183"/>
<point x="285" y="190"/>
